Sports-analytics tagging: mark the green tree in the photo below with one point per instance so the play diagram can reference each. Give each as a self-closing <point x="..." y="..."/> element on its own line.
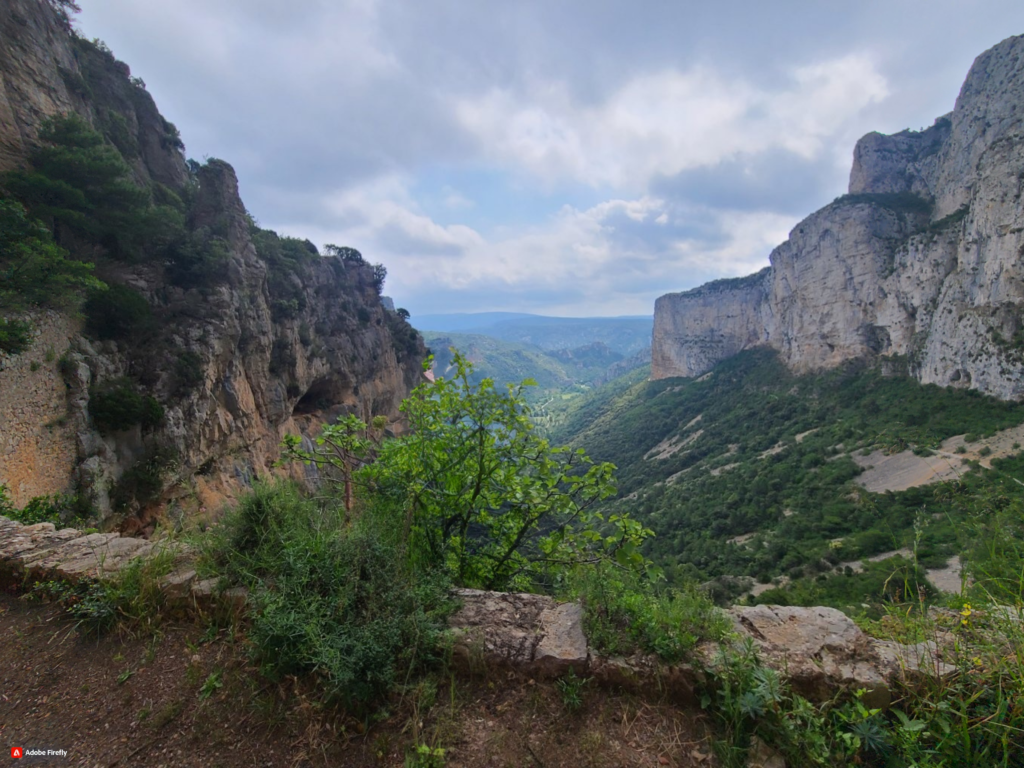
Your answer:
<point x="487" y="498"/>
<point x="80" y="182"/>
<point x="34" y="271"/>
<point x="340" y="449"/>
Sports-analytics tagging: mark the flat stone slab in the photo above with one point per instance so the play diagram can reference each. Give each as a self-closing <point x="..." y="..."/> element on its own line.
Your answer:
<point x="819" y="650"/>
<point x="41" y="551"/>
<point x="532" y="633"/>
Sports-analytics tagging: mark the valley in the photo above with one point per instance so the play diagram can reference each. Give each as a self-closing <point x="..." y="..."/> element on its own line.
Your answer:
<point x="773" y="519"/>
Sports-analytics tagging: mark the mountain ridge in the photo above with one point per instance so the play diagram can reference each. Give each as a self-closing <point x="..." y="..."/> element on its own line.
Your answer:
<point x="918" y="266"/>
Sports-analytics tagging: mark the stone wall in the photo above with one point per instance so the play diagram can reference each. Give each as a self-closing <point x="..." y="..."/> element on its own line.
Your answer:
<point x="38" y="450"/>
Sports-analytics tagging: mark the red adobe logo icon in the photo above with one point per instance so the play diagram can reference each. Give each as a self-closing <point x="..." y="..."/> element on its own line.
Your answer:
<point x="15" y="752"/>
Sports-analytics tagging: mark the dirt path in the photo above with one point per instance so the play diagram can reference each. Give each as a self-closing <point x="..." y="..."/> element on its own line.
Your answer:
<point x="189" y="697"/>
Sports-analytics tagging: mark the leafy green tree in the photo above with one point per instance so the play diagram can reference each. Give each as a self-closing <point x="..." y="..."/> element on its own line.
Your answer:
<point x="346" y="254"/>
<point x="487" y="498"/>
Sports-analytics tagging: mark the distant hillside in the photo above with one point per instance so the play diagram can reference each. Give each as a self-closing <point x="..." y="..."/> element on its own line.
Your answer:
<point x="751" y="471"/>
<point x="505" y="362"/>
<point x="625" y="335"/>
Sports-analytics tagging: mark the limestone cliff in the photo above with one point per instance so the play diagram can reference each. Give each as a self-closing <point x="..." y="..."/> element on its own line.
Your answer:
<point x="235" y="362"/>
<point x="920" y="265"/>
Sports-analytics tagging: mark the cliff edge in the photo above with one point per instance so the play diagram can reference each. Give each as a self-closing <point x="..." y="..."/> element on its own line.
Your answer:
<point x="246" y="336"/>
<point x="920" y="265"/>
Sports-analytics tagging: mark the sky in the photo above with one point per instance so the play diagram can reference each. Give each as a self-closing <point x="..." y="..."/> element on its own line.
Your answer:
<point x="563" y="157"/>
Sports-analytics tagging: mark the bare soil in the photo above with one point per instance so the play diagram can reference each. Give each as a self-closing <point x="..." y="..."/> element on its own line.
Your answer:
<point x="188" y="695"/>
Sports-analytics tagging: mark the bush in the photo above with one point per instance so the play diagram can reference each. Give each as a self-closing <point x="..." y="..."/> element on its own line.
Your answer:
<point x="624" y="613"/>
<point x="15" y="336"/>
<point x="118" y="313"/>
<point x="188" y="373"/>
<point x="63" y="510"/>
<point x="143" y="481"/>
<point x="487" y="498"/>
<point x="80" y="182"/>
<point x="118" y="406"/>
<point x="333" y="600"/>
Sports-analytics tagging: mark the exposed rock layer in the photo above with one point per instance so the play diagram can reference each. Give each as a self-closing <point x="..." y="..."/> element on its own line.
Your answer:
<point x="921" y="262"/>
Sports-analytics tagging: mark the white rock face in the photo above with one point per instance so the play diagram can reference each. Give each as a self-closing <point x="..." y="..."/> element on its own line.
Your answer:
<point x="923" y="262"/>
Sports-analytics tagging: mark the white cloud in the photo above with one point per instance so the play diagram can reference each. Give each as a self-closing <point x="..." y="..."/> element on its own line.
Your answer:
<point x="668" y="121"/>
<point x="614" y="258"/>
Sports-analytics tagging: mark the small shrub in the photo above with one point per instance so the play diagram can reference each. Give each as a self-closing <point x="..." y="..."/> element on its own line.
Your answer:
<point x="143" y="481"/>
<point x="15" y="336"/>
<point x="63" y="510"/>
<point x="985" y="451"/>
<point x="188" y="373"/>
<point x="87" y="601"/>
<point x="425" y="756"/>
<point x="330" y="600"/>
<point x="623" y="613"/>
<point x="133" y="598"/>
<point x="119" y="405"/>
<point x="118" y="313"/>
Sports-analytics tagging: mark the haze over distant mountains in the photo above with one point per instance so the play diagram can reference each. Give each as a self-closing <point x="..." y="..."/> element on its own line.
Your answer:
<point x="627" y="335"/>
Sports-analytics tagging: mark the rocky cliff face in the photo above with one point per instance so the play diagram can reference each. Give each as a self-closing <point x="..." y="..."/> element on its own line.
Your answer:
<point x="236" y="362"/>
<point x="920" y="265"/>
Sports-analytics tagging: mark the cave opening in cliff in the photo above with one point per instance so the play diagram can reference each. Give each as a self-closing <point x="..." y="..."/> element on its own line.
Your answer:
<point x="321" y="395"/>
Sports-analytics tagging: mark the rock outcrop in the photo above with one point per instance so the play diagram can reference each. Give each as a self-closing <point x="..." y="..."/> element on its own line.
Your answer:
<point x="920" y="264"/>
<point x="236" y="361"/>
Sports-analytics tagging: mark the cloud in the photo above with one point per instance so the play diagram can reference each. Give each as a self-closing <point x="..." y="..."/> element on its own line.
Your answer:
<point x="775" y="180"/>
<point x="666" y="122"/>
<point x="615" y="257"/>
<point x="571" y="156"/>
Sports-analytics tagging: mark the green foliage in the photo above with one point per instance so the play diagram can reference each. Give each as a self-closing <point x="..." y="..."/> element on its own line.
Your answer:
<point x="118" y="405"/>
<point x="286" y="258"/>
<point x="486" y="498"/>
<point x="15" y="336"/>
<point x="329" y="599"/>
<point x="62" y="10"/>
<point x="80" y="182"/>
<point x="188" y="373"/>
<point x="133" y="598"/>
<point x="88" y="602"/>
<point x="118" y="313"/>
<point x="143" y="481"/>
<point x="797" y="498"/>
<point x="425" y="756"/>
<point x="63" y="510"/>
<point x="346" y="254"/>
<point x="198" y="258"/>
<point x="625" y="612"/>
<point x="404" y="338"/>
<point x="898" y="202"/>
<point x="571" y="688"/>
<point x="33" y="270"/>
<point x="380" y="273"/>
